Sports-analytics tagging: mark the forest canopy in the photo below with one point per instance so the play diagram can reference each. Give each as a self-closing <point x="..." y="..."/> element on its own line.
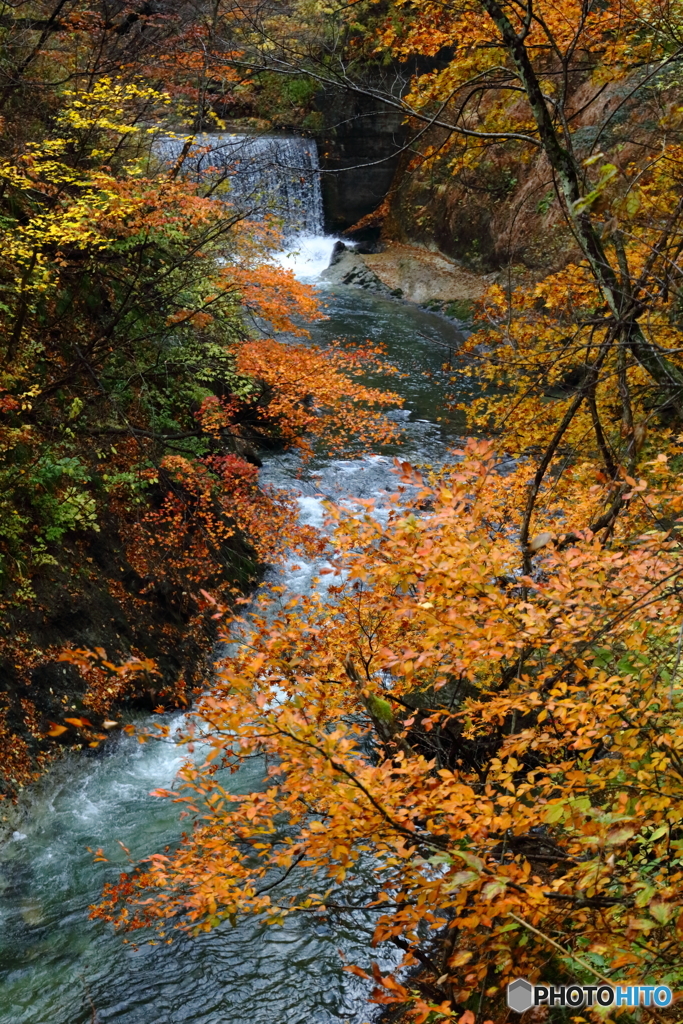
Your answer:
<point x="485" y="703"/>
<point x="140" y="308"/>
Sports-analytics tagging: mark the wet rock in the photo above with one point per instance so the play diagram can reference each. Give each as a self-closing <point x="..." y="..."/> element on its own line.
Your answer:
<point x="337" y="253"/>
<point x="246" y="451"/>
<point x="361" y="142"/>
<point x="350" y="269"/>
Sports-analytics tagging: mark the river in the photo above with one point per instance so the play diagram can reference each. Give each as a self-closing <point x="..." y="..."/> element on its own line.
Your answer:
<point x="56" y="966"/>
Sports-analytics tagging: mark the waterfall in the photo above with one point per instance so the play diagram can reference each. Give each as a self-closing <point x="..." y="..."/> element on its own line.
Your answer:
<point x="276" y="174"/>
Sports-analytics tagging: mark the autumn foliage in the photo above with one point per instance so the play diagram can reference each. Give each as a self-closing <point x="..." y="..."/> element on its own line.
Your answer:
<point x="480" y="711"/>
<point x="482" y="707"/>
<point x="504" y="750"/>
<point x="139" y="373"/>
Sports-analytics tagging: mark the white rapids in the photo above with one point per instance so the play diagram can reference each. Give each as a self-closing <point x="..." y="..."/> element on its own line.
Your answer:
<point x="58" y="967"/>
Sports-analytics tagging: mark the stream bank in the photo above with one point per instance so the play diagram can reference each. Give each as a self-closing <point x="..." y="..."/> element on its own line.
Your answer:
<point x="418" y="275"/>
<point x="58" y="966"/>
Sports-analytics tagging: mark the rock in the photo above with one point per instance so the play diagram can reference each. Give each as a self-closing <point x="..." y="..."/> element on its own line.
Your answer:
<point x="337" y="253"/>
<point x="246" y="451"/>
<point x="364" y="244"/>
<point x="406" y="272"/>
<point x="361" y="142"/>
<point x="420" y="275"/>
<point x="350" y="269"/>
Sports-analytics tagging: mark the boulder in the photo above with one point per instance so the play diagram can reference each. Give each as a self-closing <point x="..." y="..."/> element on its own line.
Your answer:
<point x="421" y="275"/>
<point x="337" y="253"/>
<point x="349" y="268"/>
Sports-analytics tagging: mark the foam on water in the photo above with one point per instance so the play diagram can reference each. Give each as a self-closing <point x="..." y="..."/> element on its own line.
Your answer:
<point x="307" y="255"/>
<point x="55" y="964"/>
<point x="312" y="509"/>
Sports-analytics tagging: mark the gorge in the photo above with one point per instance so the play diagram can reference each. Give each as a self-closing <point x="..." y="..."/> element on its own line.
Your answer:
<point x="341" y="439"/>
<point x="56" y="965"/>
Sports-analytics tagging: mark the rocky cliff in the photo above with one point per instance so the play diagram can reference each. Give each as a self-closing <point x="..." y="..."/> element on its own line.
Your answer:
<point x="360" y="147"/>
<point x="502" y="213"/>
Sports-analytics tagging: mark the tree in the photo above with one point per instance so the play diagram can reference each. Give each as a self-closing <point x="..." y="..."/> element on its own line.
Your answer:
<point x="134" y="382"/>
<point x="490" y="712"/>
<point x="505" y="752"/>
<point x="556" y="90"/>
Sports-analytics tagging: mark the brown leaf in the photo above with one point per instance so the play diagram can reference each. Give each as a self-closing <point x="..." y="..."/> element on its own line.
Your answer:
<point x="540" y="541"/>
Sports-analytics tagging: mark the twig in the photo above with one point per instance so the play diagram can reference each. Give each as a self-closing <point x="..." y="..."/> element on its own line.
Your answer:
<point x="564" y="952"/>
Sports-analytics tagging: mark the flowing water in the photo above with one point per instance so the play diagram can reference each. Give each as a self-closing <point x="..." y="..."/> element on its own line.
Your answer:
<point x="260" y="174"/>
<point x="56" y="966"/>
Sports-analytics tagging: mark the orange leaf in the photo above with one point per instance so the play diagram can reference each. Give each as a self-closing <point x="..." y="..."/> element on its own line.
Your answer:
<point x="357" y="970"/>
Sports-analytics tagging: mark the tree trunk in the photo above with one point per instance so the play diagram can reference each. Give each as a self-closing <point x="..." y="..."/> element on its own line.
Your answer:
<point x="665" y="373"/>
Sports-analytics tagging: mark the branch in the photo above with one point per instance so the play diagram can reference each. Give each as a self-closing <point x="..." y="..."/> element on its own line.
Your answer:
<point x="282" y="68"/>
<point x="572" y="956"/>
<point x="589" y="901"/>
<point x="137" y="432"/>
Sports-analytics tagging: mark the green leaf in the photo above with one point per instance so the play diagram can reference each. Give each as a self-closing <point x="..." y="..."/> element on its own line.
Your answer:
<point x="493" y="889"/>
<point x="663" y="912"/>
<point x="554" y="813"/>
<point x="620" y="835"/>
<point x="470" y="859"/>
<point x="462" y="878"/>
<point x="644" y="897"/>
